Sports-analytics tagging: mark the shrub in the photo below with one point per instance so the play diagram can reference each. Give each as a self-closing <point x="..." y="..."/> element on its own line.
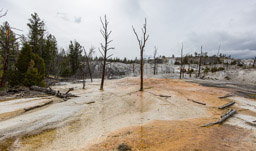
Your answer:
<point x="13" y="76"/>
<point x="66" y="72"/>
<point x="30" y="69"/>
<point x="32" y="76"/>
<point x="220" y="69"/>
<point x="190" y="71"/>
<point x="206" y="70"/>
<point x="227" y="78"/>
<point x="240" y="65"/>
<point x="214" y="69"/>
<point x="177" y="63"/>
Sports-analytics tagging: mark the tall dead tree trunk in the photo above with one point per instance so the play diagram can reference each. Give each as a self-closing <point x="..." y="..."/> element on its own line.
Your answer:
<point x="105" y="33"/>
<point x="84" y="79"/>
<point x="254" y="62"/>
<point x="6" y="57"/>
<point x="133" y="68"/>
<point x="142" y="43"/>
<point x="219" y="50"/>
<point x="200" y="61"/>
<point x="155" y="61"/>
<point x="181" y="61"/>
<point x="87" y="60"/>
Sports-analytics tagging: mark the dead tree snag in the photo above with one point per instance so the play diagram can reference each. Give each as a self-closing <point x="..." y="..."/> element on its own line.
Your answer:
<point x="155" y="61"/>
<point x="105" y="33"/>
<point x="142" y="43"/>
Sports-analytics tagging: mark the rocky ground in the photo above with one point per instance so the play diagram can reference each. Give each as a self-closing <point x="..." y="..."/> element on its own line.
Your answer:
<point x="163" y="117"/>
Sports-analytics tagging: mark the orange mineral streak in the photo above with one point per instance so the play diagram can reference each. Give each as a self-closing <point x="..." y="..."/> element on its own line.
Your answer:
<point x="180" y="135"/>
<point x="146" y="121"/>
<point x="177" y="136"/>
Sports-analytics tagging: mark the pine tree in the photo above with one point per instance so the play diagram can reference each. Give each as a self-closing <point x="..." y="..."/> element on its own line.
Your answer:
<point x="49" y="53"/>
<point x="8" y="51"/>
<point x="30" y="67"/>
<point x="36" y="34"/>
<point x="75" y="51"/>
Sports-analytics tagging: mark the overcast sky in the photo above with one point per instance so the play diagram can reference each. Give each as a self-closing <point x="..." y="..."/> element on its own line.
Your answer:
<point x="170" y="22"/>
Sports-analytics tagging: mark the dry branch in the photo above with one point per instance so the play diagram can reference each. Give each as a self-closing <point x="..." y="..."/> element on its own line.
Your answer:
<point x="166" y="96"/>
<point x="227" y="105"/>
<point x="225" y="96"/>
<point x="38" y="106"/>
<point x="223" y="118"/>
<point x="90" y="102"/>
<point x="64" y="96"/>
<point x="196" y="102"/>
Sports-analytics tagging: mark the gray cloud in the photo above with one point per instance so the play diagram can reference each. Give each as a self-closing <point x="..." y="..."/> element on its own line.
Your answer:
<point x="78" y="20"/>
<point x="65" y="17"/>
<point x="170" y="22"/>
<point x="235" y="44"/>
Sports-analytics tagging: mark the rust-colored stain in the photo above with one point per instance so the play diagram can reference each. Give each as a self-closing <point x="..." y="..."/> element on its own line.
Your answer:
<point x="178" y="136"/>
<point x="181" y="134"/>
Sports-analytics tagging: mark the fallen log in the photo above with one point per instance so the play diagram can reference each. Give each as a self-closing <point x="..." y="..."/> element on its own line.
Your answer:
<point x="37" y="106"/>
<point x="90" y="102"/>
<point x="226" y="105"/>
<point x="50" y="91"/>
<point x="226" y="113"/>
<point x="196" y="102"/>
<point x="225" y="96"/>
<point x="160" y="95"/>
<point x="223" y="118"/>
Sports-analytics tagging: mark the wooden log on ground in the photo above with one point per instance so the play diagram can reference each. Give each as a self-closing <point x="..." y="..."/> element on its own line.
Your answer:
<point x="196" y="102"/>
<point x="226" y="105"/>
<point x="225" y="96"/>
<point x="165" y="96"/>
<point x="226" y="113"/>
<point x="90" y="102"/>
<point x="50" y="91"/>
<point x="223" y="118"/>
<point x="38" y="106"/>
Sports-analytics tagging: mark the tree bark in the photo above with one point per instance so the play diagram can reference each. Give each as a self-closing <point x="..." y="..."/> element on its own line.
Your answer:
<point x="105" y="33"/>
<point x="6" y="59"/>
<point x="181" y="61"/>
<point x="142" y="43"/>
<point x="141" y="70"/>
<point x="200" y="61"/>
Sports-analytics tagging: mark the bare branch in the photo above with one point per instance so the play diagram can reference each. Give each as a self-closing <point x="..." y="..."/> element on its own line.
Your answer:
<point x="109" y="41"/>
<point x="110" y="56"/>
<point x="101" y="52"/>
<point x="110" y="48"/>
<point x="136" y="36"/>
<point x="5" y="13"/>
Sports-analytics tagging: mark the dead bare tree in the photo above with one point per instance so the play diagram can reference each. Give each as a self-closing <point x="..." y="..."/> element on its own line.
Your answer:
<point x="87" y="57"/>
<point x="142" y="43"/>
<point x="155" y="61"/>
<point x="254" y="62"/>
<point x="105" y="33"/>
<point x="219" y="50"/>
<point x="200" y="61"/>
<point x="181" y="61"/>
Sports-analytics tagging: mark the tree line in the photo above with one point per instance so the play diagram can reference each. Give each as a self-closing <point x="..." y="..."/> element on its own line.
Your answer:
<point x="28" y="59"/>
